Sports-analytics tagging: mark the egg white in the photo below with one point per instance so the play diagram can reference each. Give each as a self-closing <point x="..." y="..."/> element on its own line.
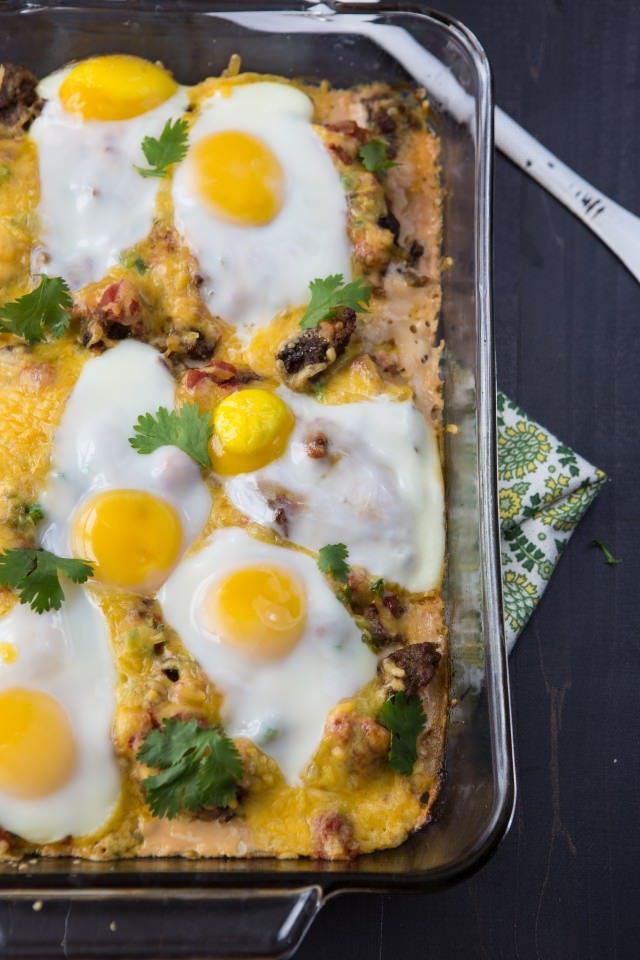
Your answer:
<point x="252" y="273"/>
<point x="65" y="653"/>
<point x="92" y="453"/>
<point x="282" y="704"/>
<point x="93" y="203"/>
<point x="379" y="490"/>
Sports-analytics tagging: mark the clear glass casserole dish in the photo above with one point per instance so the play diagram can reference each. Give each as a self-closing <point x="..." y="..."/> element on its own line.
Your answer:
<point x="251" y="908"/>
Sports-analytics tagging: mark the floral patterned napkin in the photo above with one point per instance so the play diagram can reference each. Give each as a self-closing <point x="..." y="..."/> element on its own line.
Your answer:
<point x="544" y="488"/>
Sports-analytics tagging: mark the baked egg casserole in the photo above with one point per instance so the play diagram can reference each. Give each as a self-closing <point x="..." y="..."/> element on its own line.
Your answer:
<point x="222" y="537"/>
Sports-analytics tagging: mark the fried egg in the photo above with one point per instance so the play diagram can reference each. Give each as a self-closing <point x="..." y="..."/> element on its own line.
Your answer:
<point x="93" y="202"/>
<point x="260" y="203"/>
<point x="129" y="514"/>
<point x="58" y="773"/>
<point x="268" y="631"/>
<point x="365" y="474"/>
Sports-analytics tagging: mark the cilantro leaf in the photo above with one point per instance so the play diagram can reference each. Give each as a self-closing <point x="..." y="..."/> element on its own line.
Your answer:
<point x="199" y="767"/>
<point x="332" y="559"/>
<point x="378" y="587"/>
<point x="330" y="293"/>
<point x="170" y="147"/>
<point x="185" y="428"/>
<point x="317" y="388"/>
<point x="134" y="262"/>
<point x="374" y="156"/>
<point x="35" y="512"/>
<point x="44" y="310"/>
<point x="35" y="574"/>
<point x="404" y="717"/>
<point x="609" y="558"/>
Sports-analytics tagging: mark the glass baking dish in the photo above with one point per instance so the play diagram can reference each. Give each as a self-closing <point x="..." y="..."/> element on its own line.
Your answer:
<point x="256" y="908"/>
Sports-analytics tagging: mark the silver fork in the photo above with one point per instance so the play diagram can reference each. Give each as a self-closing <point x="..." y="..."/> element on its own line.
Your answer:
<point x="615" y="226"/>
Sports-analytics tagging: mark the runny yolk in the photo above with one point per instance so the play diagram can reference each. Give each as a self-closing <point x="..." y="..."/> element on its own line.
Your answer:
<point x="259" y="610"/>
<point x="37" y="747"/>
<point x="132" y="538"/>
<point x="115" y="87"/>
<point x="240" y="176"/>
<point x="8" y="653"/>
<point x="250" y="429"/>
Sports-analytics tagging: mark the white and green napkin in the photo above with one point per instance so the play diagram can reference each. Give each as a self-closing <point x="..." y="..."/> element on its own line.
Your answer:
<point x="544" y="489"/>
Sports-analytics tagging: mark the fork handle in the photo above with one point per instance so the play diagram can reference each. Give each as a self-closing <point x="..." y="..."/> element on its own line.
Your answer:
<point x="616" y="227"/>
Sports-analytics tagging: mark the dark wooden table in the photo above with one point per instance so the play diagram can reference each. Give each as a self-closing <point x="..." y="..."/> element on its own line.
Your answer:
<point x="565" y="884"/>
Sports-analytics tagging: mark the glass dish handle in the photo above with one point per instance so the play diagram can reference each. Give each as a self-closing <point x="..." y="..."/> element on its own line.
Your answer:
<point x="157" y="924"/>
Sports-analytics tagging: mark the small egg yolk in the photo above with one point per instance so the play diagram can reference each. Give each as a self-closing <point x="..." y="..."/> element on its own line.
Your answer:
<point x="8" y="653"/>
<point x="115" y="87"/>
<point x="261" y="611"/>
<point x="37" y="746"/>
<point x="239" y="176"/>
<point x="250" y="429"/>
<point x="132" y="537"/>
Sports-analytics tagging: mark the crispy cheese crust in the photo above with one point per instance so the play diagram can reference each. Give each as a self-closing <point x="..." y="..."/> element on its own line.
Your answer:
<point x="350" y="802"/>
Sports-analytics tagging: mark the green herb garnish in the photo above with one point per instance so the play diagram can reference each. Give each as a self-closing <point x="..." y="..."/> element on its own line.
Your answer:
<point x="609" y="558"/>
<point x="375" y="157"/>
<point x="134" y="262"/>
<point x="44" y="310"/>
<point x="170" y="147"/>
<point x="35" y="512"/>
<point x="404" y="718"/>
<point x="330" y="293"/>
<point x="185" y="428"/>
<point x="332" y="560"/>
<point x="35" y="574"/>
<point x="200" y="767"/>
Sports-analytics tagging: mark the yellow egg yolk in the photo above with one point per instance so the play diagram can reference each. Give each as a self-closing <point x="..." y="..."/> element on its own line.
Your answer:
<point x="259" y="610"/>
<point x="8" y="653"/>
<point x="37" y="747"/>
<point x="131" y="537"/>
<point x="239" y="176"/>
<point x="250" y="429"/>
<point x="115" y="87"/>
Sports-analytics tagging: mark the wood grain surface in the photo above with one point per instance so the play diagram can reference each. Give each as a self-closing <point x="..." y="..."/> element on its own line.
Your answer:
<point x="565" y="885"/>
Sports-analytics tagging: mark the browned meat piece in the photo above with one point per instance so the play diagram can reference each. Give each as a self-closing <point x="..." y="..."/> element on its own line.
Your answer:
<point x="350" y="129"/>
<point x="341" y="154"/>
<point x="410" y="668"/>
<point x="19" y="102"/>
<point x="362" y="738"/>
<point x="414" y="253"/>
<point x="344" y="140"/>
<point x="393" y="604"/>
<point x="380" y="636"/>
<point x="317" y="446"/>
<point x="388" y="116"/>
<point x="37" y="376"/>
<point x="119" y="314"/>
<point x="283" y="504"/>
<point x="194" y="348"/>
<point x="332" y="837"/>
<point x="389" y="221"/>
<point x="307" y="355"/>
<point x="219" y="372"/>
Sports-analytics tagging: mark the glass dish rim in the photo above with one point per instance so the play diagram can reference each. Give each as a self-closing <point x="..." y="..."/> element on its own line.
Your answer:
<point x="338" y="877"/>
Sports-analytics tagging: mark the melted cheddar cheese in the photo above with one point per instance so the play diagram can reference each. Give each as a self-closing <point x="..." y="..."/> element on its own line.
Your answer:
<point x="271" y="816"/>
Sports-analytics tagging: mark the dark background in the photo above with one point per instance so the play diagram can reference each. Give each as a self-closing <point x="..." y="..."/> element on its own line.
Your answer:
<point x="565" y="883"/>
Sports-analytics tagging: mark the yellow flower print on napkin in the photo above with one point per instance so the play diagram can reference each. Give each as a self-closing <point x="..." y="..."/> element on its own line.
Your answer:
<point x="544" y="488"/>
